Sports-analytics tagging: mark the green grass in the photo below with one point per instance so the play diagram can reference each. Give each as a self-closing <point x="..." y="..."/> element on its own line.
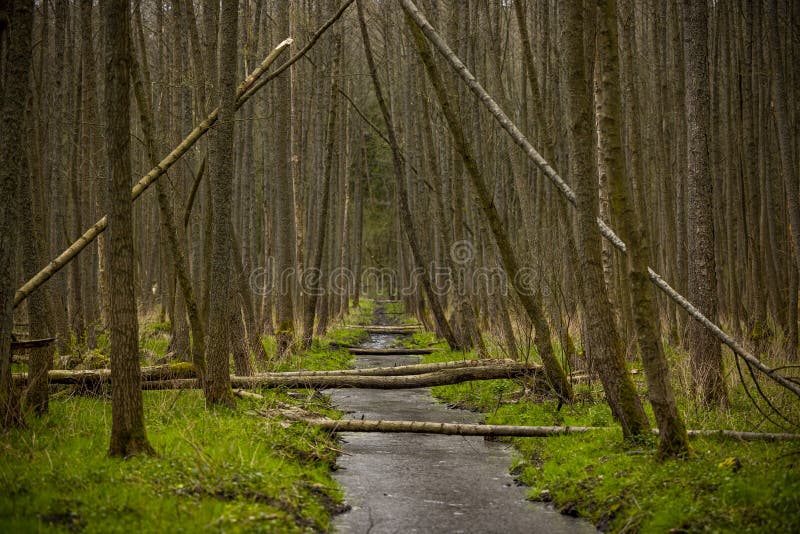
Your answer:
<point x="219" y="470"/>
<point x="726" y="485"/>
<point x="223" y="470"/>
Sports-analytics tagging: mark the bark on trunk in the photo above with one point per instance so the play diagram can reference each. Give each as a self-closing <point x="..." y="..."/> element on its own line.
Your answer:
<point x="128" y="436"/>
<point x="218" y="385"/>
<point x="705" y="350"/>
<point x="147" y="180"/>
<point x="603" y="344"/>
<point x="441" y="377"/>
<point x="672" y="439"/>
<point x="13" y="169"/>
<point x="555" y="373"/>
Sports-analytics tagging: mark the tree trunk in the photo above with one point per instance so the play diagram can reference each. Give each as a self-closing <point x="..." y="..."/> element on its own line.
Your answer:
<point x="673" y="440"/>
<point x="218" y="386"/>
<point x="13" y="169"/>
<point x="440" y="377"/>
<point x="284" y="206"/>
<point x="188" y="304"/>
<point x="128" y="436"/>
<point x="419" y="257"/>
<point x="604" y="345"/>
<point x="315" y="279"/>
<point x="555" y="373"/>
<point x="244" y="92"/>
<point x="706" y="354"/>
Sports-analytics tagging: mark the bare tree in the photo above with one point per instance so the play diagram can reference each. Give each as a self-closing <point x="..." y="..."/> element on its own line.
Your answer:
<point x="13" y="169"/>
<point x="128" y="436"/>
<point x="218" y="382"/>
<point x="706" y="354"/>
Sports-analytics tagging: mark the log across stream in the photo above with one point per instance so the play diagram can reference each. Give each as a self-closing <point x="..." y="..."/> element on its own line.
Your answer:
<point x="425" y="482"/>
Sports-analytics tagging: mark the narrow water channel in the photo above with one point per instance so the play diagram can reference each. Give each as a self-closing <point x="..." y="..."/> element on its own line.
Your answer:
<point x="424" y="482"/>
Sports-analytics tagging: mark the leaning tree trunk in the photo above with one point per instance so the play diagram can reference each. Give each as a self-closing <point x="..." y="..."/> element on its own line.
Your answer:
<point x="169" y="230"/>
<point x="420" y="258"/>
<point x="605" y="344"/>
<point x="555" y="373"/>
<point x="673" y="440"/>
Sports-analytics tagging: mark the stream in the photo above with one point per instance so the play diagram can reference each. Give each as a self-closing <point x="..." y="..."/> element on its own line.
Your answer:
<point x="426" y="482"/>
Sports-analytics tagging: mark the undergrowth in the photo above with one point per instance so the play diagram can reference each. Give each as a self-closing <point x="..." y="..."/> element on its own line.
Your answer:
<point x="215" y="470"/>
<point x="725" y="486"/>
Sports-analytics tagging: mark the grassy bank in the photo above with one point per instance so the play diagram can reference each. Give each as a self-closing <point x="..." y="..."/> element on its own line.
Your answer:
<point x="726" y="485"/>
<point x="219" y="471"/>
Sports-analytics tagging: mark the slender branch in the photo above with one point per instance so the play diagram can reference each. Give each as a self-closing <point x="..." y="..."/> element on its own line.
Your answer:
<point x="243" y="93"/>
<point x="292" y="60"/>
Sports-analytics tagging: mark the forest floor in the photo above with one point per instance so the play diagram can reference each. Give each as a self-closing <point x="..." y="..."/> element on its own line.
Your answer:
<point x="219" y="470"/>
<point x="725" y="486"/>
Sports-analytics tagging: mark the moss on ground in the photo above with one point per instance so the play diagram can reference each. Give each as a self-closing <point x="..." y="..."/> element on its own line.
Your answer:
<point x="725" y="486"/>
<point x="220" y="470"/>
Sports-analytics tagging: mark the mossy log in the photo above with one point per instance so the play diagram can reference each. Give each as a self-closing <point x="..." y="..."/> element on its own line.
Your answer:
<point x="94" y="376"/>
<point x="441" y="377"/>
<point x="185" y="370"/>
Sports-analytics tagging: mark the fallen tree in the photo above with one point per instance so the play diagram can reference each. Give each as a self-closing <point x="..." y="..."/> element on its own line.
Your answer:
<point x="183" y="371"/>
<point x="442" y="377"/>
<point x="95" y="376"/>
<point x="566" y="191"/>
<point x="400" y="370"/>
<point x="448" y="429"/>
<point x="245" y="90"/>
<point x="390" y="352"/>
<point x="31" y="344"/>
<point x="393" y="329"/>
<point x="465" y="429"/>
